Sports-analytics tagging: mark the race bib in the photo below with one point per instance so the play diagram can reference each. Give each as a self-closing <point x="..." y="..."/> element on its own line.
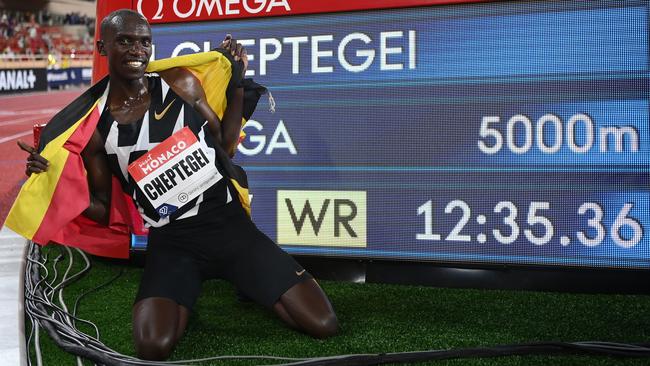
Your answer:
<point x="174" y="172"/>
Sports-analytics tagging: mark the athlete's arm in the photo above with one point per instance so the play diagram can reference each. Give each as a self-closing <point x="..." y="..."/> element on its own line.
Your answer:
<point x="99" y="179"/>
<point x="232" y="118"/>
<point x="99" y="175"/>
<point x="185" y="84"/>
<point x="225" y="132"/>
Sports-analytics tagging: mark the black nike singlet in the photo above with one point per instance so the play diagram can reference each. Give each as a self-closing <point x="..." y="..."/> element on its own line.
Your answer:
<point x="125" y="143"/>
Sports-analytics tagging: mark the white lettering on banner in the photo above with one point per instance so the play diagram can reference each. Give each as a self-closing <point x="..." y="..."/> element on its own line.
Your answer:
<point x="396" y="50"/>
<point x="395" y="43"/>
<point x="86" y="73"/>
<point x="384" y="65"/>
<point x="210" y="8"/>
<point x="368" y="54"/>
<point x="230" y="9"/>
<point x="17" y="79"/>
<point x="295" y="51"/>
<point x="150" y="162"/>
<point x="261" y="4"/>
<point x="280" y="140"/>
<point x="209" y="5"/>
<point x="62" y="76"/>
<point x="265" y="56"/>
<point x="179" y="13"/>
<point x="316" y="53"/>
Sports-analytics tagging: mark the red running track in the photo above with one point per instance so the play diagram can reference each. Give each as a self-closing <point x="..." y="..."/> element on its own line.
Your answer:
<point x="18" y="114"/>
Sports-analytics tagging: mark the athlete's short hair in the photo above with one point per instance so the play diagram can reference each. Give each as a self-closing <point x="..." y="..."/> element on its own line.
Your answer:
<point x="115" y="20"/>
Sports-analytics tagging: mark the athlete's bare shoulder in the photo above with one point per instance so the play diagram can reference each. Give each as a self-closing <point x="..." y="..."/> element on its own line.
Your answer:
<point x="185" y="84"/>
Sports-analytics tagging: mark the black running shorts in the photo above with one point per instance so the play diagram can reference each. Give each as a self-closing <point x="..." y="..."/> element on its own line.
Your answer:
<point x="223" y="244"/>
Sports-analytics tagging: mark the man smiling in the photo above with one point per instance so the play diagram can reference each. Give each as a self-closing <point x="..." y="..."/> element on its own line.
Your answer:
<point x="209" y="236"/>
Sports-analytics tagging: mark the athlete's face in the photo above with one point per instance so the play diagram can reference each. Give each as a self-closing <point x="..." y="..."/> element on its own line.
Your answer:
<point x="127" y="44"/>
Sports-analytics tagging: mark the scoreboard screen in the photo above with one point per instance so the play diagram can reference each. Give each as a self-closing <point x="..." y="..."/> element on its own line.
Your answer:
<point x="505" y="132"/>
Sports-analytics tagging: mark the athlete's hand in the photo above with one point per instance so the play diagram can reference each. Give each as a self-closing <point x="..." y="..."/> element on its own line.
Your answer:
<point x="236" y="50"/>
<point x="35" y="162"/>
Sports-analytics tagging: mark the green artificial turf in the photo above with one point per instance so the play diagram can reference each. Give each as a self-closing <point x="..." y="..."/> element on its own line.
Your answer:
<point x="374" y="319"/>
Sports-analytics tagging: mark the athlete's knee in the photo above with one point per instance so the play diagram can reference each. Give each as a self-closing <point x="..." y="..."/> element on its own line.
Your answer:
<point x="325" y="326"/>
<point x="157" y="325"/>
<point x="309" y="307"/>
<point x="154" y="348"/>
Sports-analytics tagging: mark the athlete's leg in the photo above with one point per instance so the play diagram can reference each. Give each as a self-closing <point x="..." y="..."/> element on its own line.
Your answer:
<point x="170" y="278"/>
<point x="305" y="307"/>
<point x="268" y="275"/>
<point x="280" y="311"/>
<point x="158" y="324"/>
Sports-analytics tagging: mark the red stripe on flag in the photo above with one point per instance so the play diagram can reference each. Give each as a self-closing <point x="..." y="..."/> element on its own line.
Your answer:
<point x="64" y="223"/>
<point x="106" y="241"/>
<point x="96" y="239"/>
<point x="70" y="199"/>
<point x="80" y="137"/>
<point x="71" y="195"/>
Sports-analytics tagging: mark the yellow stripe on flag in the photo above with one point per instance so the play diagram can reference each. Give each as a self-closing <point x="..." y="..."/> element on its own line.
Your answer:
<point x="217" y="76"/>
<point x="195" y="59"/>
<point x="29" y="209"/>
<point x="212" y="69"/>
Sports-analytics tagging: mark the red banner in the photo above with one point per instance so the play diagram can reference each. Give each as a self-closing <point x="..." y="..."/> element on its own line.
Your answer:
<point x="171" y="11"/>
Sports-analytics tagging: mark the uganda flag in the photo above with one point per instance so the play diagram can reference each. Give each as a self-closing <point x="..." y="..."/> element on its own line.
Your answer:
<point x="49" y="206"/>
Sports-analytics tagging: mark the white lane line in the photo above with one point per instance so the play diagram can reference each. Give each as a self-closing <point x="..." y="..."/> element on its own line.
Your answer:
<point x="40" y="93"/>
<point x="21" y="120"/>
<point x="29" y="112"/>
<point x="15" y="136"/>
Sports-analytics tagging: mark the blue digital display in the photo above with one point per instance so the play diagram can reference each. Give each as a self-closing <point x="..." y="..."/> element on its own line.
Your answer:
<point x="496" y="133"/>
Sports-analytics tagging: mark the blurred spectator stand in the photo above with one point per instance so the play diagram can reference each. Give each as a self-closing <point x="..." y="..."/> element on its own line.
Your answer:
<point x="31" y="40"/>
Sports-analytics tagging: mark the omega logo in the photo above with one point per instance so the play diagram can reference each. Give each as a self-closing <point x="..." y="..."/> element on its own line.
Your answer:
<point x="207" y="8"/>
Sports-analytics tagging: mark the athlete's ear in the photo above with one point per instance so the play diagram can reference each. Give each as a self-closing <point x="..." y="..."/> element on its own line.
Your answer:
<point x="100" y="47"/>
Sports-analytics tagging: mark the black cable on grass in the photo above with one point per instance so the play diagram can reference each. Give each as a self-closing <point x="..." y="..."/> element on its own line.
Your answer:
<point x="540" y="348"/>
<point x="59" y="324"/>
<point x="36" y="308"/>
<point x="96" y="288"/>
<point x="79" y="350"/>
<point x="56" y="321"/>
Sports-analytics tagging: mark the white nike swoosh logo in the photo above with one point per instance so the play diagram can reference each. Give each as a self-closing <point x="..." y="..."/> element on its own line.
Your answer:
<point x="299" y="273"/>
